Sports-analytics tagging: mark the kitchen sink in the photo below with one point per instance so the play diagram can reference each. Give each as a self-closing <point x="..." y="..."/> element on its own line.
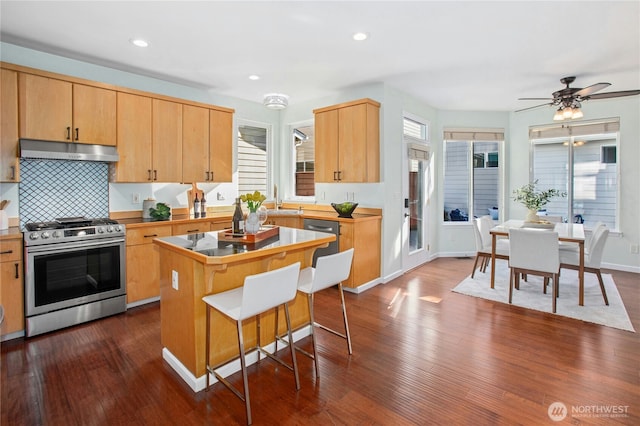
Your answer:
<point x="284" y="212"/>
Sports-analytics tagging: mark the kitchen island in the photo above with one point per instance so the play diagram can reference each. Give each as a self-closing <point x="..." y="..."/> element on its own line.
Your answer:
<point x="194" y="265"/>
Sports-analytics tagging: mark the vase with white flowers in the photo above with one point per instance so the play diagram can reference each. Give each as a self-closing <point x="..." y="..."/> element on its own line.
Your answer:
<point x="534" y="200"/>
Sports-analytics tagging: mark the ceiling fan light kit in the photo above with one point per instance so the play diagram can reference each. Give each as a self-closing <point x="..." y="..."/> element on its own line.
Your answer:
<point x="276" y="101"/>
<point x="568" y="99"/>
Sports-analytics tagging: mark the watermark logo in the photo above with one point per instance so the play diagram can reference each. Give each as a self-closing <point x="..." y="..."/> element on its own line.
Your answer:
<point x="557" y="411"/>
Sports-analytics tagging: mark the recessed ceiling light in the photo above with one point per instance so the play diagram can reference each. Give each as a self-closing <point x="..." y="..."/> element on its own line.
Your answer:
<point x="254" y="77"/>
<point x="360" y="36"/>
<point x="139" y="42"/>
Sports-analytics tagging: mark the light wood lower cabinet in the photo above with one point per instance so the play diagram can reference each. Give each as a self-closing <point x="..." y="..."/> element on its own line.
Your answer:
<point x="190" y="228"/>
<point x="364" y="237"/>
<point x="143" y="262"/>
<point x="11" y="286"/>
<point x="220" y="225"/>
<point x="288" y="221"/>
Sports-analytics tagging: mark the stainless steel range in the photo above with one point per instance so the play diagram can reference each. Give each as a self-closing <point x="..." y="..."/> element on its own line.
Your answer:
<point x="74" y="272"/>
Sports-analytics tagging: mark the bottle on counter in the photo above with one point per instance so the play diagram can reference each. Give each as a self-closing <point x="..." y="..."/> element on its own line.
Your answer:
<point x="203" y="206"/>
<point x="237" y="226"/>
<point x="196" y="207"/>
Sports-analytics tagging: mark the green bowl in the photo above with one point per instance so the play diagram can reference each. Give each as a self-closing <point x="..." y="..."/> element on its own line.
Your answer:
<point x="344" y="209"/>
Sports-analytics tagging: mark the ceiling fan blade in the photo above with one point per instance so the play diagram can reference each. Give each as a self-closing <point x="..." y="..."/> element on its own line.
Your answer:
<point x="536" y="106"/>
<point x="614" y="94"/>
<point x="535" y="99"/>
<point x="591" y="89"/>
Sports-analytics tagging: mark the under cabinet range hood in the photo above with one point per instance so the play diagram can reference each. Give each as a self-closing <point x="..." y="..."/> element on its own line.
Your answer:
<point x="32" y="148"/>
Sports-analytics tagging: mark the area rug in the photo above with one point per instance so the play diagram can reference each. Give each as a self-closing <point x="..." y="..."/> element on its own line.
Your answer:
<point x="531" y="296"/>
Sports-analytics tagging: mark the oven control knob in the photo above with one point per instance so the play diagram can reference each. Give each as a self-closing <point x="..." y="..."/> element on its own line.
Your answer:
<point x="34" y="236"/>
<point x="100" y="230"/>
<point x="109" y="228"/>
<point x="56" y="234"/>
<point x="45" y="235"/>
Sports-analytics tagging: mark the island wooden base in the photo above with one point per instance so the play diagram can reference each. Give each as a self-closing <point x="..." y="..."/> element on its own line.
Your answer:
<point x="183" y="313"/>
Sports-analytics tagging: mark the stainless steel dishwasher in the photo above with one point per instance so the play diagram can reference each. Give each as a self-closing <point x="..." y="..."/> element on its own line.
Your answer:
<point x="328" y="226"/>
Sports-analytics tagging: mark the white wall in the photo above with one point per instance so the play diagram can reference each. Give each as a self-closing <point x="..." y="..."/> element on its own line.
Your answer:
<point x="445" y="239"/>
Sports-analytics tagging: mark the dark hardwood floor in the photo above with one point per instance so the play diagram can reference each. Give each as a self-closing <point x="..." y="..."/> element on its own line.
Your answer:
<point x="422" y="355"/>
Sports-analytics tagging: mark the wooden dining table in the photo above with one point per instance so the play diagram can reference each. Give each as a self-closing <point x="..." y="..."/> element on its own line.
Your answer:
<point x="567" y="232"/>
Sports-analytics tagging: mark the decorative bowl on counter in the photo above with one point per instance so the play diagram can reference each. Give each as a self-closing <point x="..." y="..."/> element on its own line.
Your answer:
<point x="344" y="209"/>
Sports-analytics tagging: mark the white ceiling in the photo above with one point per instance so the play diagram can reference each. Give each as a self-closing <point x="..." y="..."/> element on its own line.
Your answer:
<point x="477" y="55"/>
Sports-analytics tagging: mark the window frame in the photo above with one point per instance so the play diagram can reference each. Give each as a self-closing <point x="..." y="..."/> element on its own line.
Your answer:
<point x="470" y="198"/>
<point x="269" y="155"/>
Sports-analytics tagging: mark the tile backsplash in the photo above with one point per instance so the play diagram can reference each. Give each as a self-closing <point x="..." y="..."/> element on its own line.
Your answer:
<point x="58" y="188"/>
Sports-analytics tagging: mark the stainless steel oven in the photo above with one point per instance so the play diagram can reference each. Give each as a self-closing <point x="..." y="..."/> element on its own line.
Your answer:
<point x="74" y="272"/>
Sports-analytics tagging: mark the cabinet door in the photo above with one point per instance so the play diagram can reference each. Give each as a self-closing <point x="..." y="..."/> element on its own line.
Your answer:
<point x="167" y="141"/>
<point x="143" y="272"/>
<point x="352" y="137"/>
<point x="94" y="115"/>
<point x="9" y="126"/>
<point x="221" y="148"/>
<point x="134" y="138"/>
<point x="326" y="146"/>
<point x="195" y="144"/>
<point x="219" y="226"/>
<point x="289" y="222"/>
<point x="45" y="108"/>
<point x="12" y="296"/>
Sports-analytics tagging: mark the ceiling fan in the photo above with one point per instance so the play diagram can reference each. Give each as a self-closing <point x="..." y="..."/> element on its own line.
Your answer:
<point x="568" y="100"/>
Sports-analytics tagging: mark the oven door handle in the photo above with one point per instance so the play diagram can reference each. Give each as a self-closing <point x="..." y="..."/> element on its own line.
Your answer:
<point x="57" y="248"/>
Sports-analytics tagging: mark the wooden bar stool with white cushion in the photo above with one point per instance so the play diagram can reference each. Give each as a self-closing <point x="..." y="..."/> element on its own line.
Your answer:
<point x="260" y="293"/>
<point x="535" y="252"/>
<point x="329" y="271"/>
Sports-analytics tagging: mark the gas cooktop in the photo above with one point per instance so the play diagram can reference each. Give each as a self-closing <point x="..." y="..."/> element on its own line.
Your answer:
<point x="68" y="222"/>
<point x="71" y="229"/>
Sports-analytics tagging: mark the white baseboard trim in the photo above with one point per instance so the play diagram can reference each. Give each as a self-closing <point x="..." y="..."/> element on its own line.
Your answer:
<point x="199" y="383"/>
<point x="143" y="302"/>
<point x="363" y="287"/>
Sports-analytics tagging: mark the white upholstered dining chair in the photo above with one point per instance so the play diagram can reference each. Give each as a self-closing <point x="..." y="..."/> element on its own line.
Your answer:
<point x="534" y="252"/>
<point x="481" y="228"/>
<point x="592" y="257"/>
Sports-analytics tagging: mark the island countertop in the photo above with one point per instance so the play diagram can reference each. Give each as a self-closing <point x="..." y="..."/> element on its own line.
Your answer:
<point x="208" y="248"/>
<point x="194" y="265"/>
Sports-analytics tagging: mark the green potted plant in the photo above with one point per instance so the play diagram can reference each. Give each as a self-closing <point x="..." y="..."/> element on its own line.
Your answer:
<point x="534" y="200"/>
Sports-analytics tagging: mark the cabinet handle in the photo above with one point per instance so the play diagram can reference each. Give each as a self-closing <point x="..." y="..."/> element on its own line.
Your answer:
<point x="155" y="175"/>
<point x="17" y="275"/>
<point x="211" y="178"/>
<point x="68" y="133"/>
<point x="77" y="134"/>
<point x="149" y="174"/>
<point x="6" y="252"/>
<point x="334" y="175"/>
<point x="151" y="235"/>
<point x="13" y="173"/>
<point x="207" y="178"/>
<point x="189" y="231"/>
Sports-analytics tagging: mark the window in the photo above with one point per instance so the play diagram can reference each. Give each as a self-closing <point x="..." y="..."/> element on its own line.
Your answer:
<point x="304" y="154"/>
<point x="472" y="176"/>
<point x="415" y="129"/>
<point x="582" y="163"/>
<point x="253" y="158"/>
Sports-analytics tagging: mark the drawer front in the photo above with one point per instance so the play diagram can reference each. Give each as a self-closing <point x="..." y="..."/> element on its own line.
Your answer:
<point x="10" y="250"/>
<point x="190" y="228"/>
<point x="147" y="234"/>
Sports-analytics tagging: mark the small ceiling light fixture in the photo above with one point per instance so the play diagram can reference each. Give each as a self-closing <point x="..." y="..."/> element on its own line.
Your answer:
<point x="568" y="111"/>
<point x="254" y="77"/>
<point x="276" y="101"/>
<point x="139" y="42"/>
<point x="360" y="36"/>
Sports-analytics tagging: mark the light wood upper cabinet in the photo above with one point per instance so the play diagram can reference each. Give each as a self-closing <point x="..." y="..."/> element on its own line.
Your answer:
<point x="9" y="126"/>
<point x="167" y="141"/>
<point x="221" y="145"/>
<point x="347" y="142"/>
<point x="57" y="110"/>
<point x="134" y="138"/>
<point x="195" y="144"/>
<point x="207" y="145"/>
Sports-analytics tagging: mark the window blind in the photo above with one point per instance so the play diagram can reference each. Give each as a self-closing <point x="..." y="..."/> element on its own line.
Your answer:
<point x="575" y="129"/>
<point x="473" y="134"/>
<point x="418" y="151"/>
